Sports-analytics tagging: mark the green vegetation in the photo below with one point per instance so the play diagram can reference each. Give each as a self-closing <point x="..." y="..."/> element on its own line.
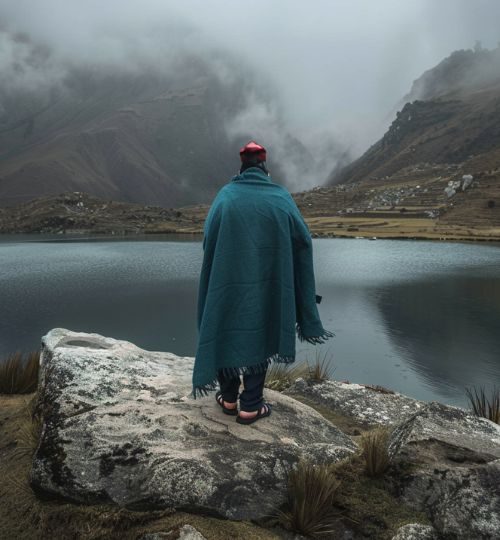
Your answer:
<point x="375" y="451"/>
<point x="484" y="406"/>
<point x="19" y="375"/>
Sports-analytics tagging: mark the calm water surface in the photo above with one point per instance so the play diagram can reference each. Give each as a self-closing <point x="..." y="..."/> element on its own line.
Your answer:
<point x="422" y="318"/>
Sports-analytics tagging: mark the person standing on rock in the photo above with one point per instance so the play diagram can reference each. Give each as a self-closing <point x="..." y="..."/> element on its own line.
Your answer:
<point x="256" y="288"/>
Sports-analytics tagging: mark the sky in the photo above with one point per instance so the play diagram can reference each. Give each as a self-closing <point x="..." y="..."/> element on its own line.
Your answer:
<point x="340" y="67"/>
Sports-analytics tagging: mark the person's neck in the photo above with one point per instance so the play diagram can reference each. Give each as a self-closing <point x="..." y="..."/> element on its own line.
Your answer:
<point x="260" y="165"/>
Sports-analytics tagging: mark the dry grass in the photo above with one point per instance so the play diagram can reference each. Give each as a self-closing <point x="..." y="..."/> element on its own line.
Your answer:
<point x="422" y="228"/>
<point x="29" y="431"/>
<point x="375" y="451"/>
<point x="19" y="375"/>
<point x="281" y="376"/>
<point x="321" y="369"/>
<point x="310" y="508"/>
<point x="484" y="406"/>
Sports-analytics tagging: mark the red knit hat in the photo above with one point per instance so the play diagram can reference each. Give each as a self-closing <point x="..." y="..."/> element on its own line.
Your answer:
<point x="252" y="152"/>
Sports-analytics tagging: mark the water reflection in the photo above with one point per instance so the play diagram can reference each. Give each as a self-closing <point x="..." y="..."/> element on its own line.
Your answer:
<point x="447" y="329"/>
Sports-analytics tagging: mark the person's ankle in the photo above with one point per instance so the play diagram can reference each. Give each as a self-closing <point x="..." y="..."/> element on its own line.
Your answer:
<point x="248" y="414"/>
<point x="230" y="405"/>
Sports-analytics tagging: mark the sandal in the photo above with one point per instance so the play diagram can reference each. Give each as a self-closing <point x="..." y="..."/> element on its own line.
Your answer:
<point x="258" y="416"/>
<point x="225" y="410"/>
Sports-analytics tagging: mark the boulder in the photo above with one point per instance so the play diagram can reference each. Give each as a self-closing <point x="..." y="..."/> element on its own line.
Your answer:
<point x="119" y="426"/>
<point x="447" y="464"/>
<point x="466" y="181"/>
<point x="367" y="405"/>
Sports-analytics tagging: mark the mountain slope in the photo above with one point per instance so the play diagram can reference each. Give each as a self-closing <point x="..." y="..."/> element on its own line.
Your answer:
<point x="159" y="134"/>
<point x="451" y="115"/>
<point x="134" y="152"/>
<point x="123" y="136"/>
<point x="450" y="127"/>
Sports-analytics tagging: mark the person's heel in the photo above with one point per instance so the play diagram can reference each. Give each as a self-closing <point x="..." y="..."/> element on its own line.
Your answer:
<point x="225" y="410"/>
<point x="258" y="416"/>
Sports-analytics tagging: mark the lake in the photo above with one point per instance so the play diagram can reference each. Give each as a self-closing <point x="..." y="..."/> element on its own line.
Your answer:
<point x="421" y="318"/>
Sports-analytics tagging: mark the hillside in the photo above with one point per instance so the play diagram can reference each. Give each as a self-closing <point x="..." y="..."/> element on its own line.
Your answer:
<point x="448" y="128"/>
<point x="451" y="117"/>
<point x="434" y="174"/>
<point x="81" y="213"/>
<point x="150" y="134"/>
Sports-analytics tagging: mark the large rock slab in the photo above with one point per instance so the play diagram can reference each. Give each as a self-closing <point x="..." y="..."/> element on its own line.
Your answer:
<point x="468" y="437"/>
<point x="119" y="425"/>
<point x="447" y="464"/>
<point x="366" y="405"/>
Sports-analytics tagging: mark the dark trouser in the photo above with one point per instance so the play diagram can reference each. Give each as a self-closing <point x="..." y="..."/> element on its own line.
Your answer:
<point x="252" y="398"/>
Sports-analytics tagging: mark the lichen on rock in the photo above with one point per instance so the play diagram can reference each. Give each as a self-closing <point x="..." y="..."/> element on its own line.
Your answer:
<point x="365" y="404"/>
<point x="119" y="426"/>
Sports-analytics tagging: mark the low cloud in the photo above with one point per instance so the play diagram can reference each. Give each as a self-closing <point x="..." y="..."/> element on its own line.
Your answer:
<point x="322" y="79"/>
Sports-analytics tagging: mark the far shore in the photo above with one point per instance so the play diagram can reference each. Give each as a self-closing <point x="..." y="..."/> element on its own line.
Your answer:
<point x="320" y="227"/>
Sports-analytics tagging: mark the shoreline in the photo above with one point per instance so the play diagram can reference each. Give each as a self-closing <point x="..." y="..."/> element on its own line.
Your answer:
<point x="90" y="234"/>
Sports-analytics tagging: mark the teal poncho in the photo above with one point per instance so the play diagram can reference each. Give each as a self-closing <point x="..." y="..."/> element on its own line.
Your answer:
<point x="256" y="286"/>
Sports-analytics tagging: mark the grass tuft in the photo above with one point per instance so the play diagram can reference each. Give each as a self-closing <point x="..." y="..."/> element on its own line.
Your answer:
<point x="310" y="508"/>
<point x="19" y="375"/>
<point x="281" y="376"/>
<point x="321" y="369"/>
<point x="375" y="451"/>
<point x="484" y="406"/>
<point x="29" y="430"/>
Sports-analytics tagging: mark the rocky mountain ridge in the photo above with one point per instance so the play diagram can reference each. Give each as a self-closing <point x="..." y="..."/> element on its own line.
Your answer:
<point x="447" y="129"/>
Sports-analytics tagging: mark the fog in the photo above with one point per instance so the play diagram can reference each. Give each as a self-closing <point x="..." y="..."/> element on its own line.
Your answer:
<point x="337" y="69"/>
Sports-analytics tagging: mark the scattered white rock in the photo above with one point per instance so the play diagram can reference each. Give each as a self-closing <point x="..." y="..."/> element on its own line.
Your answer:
<point x="466" y="181"/>
<point x="186" y="532"/>
<point x="449" y="191"/>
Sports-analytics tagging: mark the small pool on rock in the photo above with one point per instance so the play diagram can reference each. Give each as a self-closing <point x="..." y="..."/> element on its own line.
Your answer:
<point x="84" y="343"/>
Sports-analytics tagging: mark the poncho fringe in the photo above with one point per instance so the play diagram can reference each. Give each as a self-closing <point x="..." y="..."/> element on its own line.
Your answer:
<point x="315" y="339"/>
<point x="235" y="372"/>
